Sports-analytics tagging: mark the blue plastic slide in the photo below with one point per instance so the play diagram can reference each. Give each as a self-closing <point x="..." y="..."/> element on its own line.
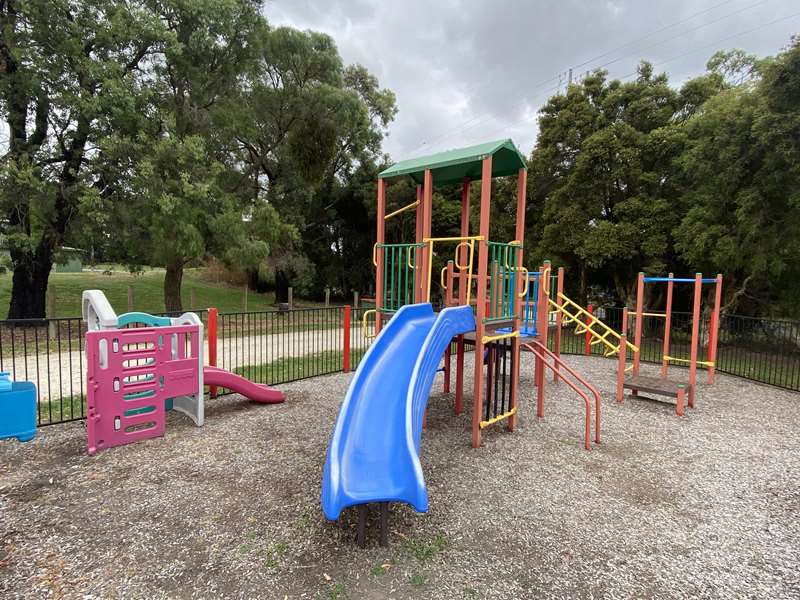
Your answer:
<point x="373" y="455"/>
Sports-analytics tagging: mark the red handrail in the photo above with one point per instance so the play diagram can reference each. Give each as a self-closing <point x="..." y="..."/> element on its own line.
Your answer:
<point x="541" y="352"/>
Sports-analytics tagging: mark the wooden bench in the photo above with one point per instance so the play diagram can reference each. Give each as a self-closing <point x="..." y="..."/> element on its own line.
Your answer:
<point x="660" y="387"/>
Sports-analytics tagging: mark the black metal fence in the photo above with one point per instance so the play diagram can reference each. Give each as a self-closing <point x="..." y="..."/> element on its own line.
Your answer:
<point x="763" y="350"/>
<point x="276" y="347"/>
<point x="267" y="347"/>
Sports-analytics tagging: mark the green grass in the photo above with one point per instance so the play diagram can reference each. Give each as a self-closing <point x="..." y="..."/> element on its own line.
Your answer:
<point x="298" y="367"/>
<point x="424" y="550"/>
<point x="148" y="292"/>
<point x="58" y="410"/>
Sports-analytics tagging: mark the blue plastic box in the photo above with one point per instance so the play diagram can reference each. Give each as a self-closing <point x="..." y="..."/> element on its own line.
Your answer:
<point x="17" y="409"/>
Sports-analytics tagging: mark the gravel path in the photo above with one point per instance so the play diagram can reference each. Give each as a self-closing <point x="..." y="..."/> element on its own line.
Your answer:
<point x="704" y="506"/>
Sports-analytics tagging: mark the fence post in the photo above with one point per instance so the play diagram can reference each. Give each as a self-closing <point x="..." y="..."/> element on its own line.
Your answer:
<point x="212" y="345"/>
<point x="50" y="311"/>
<point x="346" y="340"/>
<point x="130" y="298"/>
<point x="290" y="299"/>
<point x="355" y="300"/>
<point x="327" y="297"/>
<point x="587" y="342"/>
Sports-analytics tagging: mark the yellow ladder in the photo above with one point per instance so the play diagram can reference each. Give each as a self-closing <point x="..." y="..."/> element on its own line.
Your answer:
<point x="586" y="322"/>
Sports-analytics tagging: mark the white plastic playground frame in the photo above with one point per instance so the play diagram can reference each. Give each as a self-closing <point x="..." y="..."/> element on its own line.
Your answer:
<point x="99" y="315"/>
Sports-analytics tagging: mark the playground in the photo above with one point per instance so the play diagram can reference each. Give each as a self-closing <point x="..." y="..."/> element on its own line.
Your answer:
<point x="665" y="507"/>
<point x="541" y="474"/>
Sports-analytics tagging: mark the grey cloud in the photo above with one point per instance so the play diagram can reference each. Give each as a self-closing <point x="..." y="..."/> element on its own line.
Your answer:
<point x="469" y="70"/>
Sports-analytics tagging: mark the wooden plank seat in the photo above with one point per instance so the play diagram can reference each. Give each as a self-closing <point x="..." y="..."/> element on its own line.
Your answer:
<point x="660" y="387"/>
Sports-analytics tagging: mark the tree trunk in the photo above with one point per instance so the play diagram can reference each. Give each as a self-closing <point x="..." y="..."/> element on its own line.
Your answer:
<point x="29" y="291"/>
<point x="583" y="289"/>
<point x="29" y="281"/>
<point x="281" y="286"/>
<point x="172" y="287"/>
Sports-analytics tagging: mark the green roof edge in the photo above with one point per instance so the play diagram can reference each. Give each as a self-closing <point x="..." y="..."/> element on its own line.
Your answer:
<point x="422" y="163"/>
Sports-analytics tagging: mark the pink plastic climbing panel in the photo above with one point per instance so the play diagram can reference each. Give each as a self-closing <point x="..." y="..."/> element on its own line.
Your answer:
<point x="131" y="373"/>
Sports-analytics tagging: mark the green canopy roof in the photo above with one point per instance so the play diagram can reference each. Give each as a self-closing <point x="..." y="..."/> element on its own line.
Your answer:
<point x="453" y="166"/>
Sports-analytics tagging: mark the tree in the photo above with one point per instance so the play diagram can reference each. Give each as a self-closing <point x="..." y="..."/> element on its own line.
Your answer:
<point x="316" y="131"/>
<point x="743" y="170"/>
<point x="600" y="170"/>
<point x="68" y="74"/>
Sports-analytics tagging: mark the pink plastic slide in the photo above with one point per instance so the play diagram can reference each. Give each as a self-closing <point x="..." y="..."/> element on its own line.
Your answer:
<point x="256" y="392"/>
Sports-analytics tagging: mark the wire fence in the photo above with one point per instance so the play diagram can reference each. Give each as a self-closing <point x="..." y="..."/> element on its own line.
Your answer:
<point x="269" y="347"/>
<point x="277" y="346"/>
<point x="763" y="350"/>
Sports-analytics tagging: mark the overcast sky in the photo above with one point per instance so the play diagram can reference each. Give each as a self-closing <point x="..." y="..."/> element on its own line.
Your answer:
<point x="466" y="71"/>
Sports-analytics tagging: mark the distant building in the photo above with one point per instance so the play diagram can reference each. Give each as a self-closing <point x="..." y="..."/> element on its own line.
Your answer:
<point x="69" y="260"/>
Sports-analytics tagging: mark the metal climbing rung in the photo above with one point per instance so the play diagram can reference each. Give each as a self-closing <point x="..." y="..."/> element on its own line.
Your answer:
<point x="580" y="316"/>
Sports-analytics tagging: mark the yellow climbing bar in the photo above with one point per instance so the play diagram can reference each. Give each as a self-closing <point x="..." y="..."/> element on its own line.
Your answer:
<point x="585" y="322"/>
<point x="702" y="363"/>
<point x="505" y="415"/>
<point x="469" y="242"/>
<point x="365" y="324"/>
<point x="401" y="210"/>
<point x="493" y="338"/>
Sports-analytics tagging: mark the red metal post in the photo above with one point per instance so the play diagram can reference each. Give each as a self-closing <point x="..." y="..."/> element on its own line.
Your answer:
<point x="449" y="301"/>
<point x="698" y="294"/>
<point x="667" y="328"/>
<point x="544" y="325"/>
<point x="622" y="357"/>
<point x="212" y="344"/>
<point x="587" y="341"/>
<point x="637" y="332"/>
<point x="380" y="254"/>
<point x="346" y="340"/>
<point x="713" y="334"/>
<point x="557" y="339"/>
<point x="463" y="282"/>
<point x="681" y="399"/>
<point x="480" y="298"/>
<point x="418" y="293"/>
<point x="522" y="187"/>
<point x="427" y="200"/>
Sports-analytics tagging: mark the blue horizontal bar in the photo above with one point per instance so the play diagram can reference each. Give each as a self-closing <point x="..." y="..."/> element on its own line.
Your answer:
<point x="676" y="280"/>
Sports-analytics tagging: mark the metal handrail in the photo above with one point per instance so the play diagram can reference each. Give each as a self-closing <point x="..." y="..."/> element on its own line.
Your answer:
<point x="541" y="352"/>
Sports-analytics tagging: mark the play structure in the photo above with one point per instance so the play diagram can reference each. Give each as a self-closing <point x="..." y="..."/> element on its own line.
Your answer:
<point x="17" y="409"/>
<point x="140" y="365"/>
<point x="492" y="303"/>
<point x="662" y="386"/>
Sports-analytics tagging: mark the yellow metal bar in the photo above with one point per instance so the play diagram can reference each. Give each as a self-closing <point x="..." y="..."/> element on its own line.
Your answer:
<point x="470" y="240"/>
<point x="546" y="283"/>
<point x="454" y="239"/>
<point x="652" y="314"/>
<point x="375" y="254"/>
<point x="441" y="277"/>
<point x="527" y="281"/>
<point x="409" y="253"/>
<point x="703" y="363"/>
<point x="579" y="310"/>
<point x="493" y="338"/>
<point x="484" y="424"/>
<point x="365" y="326"/>
<point x="400" y="210"/>
<point x="629" y="369"/>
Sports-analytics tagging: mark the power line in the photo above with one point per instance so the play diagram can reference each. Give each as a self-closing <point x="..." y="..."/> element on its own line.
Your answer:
<point x="687" y="53"/>
<point x="482" y="117"/>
